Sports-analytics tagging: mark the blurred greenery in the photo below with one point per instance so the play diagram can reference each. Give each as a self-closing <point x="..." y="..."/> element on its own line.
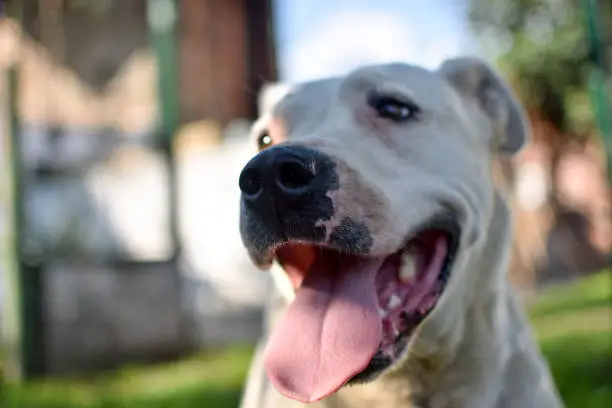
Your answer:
<point x="587" y="293"/>
<point x="543" y="47"/>
<point x="574" y="326"/>
<point x="210" y="379"/>
<point x="573" y="323"/>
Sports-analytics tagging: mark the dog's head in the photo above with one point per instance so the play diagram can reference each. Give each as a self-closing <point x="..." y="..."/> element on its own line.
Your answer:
<point x="366" y="191"/>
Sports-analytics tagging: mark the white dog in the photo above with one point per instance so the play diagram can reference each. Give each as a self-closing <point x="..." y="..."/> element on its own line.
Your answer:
<point x="372" y="199"/>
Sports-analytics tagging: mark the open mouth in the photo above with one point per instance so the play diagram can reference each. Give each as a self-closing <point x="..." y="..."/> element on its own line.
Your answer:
<point x="353" y="314"/>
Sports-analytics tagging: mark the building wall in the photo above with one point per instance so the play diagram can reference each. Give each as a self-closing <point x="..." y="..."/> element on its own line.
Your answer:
<point x="92" y="70"/>
<point x="225" y="53"/>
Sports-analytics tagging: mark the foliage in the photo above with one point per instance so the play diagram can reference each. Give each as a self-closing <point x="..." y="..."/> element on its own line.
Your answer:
<point x="573" y="324"/>
<point x="542" y="45"/>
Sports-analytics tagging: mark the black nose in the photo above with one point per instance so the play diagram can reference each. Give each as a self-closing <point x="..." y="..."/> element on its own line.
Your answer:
<point x="284" y="178"/>
<point x="286" y="174"/>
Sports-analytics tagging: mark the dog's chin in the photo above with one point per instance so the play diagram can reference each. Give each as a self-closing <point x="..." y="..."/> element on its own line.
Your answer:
<point x="408" y="285"/>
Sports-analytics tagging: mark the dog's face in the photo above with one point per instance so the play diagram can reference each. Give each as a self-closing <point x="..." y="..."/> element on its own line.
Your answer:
<point x="366" y="191"/>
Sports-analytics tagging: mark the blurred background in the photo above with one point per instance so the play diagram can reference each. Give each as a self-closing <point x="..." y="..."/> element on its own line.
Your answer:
<point x="123" y="281"/>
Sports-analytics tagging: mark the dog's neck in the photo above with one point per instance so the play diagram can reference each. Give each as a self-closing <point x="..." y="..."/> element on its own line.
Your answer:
<point x="477" y="351"/>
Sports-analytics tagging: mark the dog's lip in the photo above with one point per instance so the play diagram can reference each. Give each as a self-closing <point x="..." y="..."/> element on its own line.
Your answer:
<point x="269" y="255"/>
<point x="446" y="222"/>
<point x="300" y="254"/>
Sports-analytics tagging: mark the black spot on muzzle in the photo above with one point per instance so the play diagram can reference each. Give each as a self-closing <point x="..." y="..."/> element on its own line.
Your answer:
<point x="351" y="235"/>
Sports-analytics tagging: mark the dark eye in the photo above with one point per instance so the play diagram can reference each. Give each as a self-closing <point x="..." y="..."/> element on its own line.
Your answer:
<point x="264" y="141"/>
<point x="391" y="108"/>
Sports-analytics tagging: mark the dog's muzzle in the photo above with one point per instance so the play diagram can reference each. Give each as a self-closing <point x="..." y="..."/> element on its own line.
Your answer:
<point x="355" y="311"/>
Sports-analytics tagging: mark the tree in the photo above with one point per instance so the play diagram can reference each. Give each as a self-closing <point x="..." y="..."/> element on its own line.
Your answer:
<point x="545" y="51"/>
<point x="543" y="47"/>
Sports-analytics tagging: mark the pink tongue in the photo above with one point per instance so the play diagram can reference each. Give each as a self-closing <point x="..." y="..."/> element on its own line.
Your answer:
<point x="329" y="333"/>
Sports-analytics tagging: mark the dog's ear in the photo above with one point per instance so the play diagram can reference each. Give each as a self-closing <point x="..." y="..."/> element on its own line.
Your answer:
<point x="475" y="79"/>
<point x="270" y="95"/>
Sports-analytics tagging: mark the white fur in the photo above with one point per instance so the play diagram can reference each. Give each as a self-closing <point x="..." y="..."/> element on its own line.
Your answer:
<point x="474" y="350"/>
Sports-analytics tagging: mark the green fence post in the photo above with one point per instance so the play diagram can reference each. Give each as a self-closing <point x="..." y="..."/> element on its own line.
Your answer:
<point x="12" y="335"/>
<point x="16" y="327"/>
<point x="597" y="81"/>
<point x="22" y="329"/>
<point x="162" y="17"/>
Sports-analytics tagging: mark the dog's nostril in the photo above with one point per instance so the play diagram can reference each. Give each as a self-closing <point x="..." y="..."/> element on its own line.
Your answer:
<point x="294" y="175"/>
<point x="250" y="182"/>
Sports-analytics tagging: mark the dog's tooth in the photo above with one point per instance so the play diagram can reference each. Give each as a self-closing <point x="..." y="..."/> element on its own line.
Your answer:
<point x="394" y="301"/>
<point x="382" y="312"/>
<point x="408" y="268"/>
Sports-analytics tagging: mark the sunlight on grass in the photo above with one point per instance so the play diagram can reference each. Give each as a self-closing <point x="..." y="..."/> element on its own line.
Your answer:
<point x="573" y="324"/>
<point x="212" y="379"/>
<point x="588" y="292"/>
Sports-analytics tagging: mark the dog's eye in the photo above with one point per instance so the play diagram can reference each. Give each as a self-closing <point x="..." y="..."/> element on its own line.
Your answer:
<point x="264" y="141"/>
<point x="393" y="109"/>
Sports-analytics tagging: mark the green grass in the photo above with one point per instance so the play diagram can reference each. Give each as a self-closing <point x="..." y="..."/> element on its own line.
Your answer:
<point x="573" y="324"/>
<point x="212" y="379"/>
<point x="589" y="292"/>
<point x="582" y="368"/>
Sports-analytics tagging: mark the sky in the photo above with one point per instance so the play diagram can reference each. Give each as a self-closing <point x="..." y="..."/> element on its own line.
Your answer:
<point x="317" y="38"/>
